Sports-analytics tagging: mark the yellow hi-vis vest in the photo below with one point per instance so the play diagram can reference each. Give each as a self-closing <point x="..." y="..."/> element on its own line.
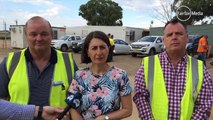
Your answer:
<point x="155" y="83"/>
<point x="111" y="41"/>
<point x="19" y="84"/>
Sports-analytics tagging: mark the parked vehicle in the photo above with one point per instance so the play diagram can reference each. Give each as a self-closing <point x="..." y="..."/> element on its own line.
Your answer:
<point x="190" y="41"/>
<point x="121" y="47"/>
<point x="148" y="45"/>
<point x="78" y="45"/>
<point x="163" y="48"/>
<point x="192" y="45"/>
<point x="65" y="42"/>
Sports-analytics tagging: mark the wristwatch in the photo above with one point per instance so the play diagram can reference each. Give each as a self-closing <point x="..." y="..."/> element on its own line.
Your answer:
<point x="40" y="110"/>
<point x="106" y="117"/>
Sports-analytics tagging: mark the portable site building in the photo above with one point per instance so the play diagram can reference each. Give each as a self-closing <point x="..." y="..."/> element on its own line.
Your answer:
<point x="18" y="39"/>
<point x="129" y="34"/>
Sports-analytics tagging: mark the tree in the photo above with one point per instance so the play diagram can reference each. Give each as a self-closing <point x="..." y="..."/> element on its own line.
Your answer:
<point x="204" y="7"/>
<point x="164" y="12"/>
<point x="102" y="12"/>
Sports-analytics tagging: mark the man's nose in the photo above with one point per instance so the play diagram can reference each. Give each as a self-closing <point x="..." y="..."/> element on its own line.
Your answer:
<point x="174" y="36"/>
<point x="38" y="37"/>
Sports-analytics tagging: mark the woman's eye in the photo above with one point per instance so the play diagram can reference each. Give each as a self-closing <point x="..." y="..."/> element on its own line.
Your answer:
<point x="94" y="48"/>
<point x="102" y="47"/>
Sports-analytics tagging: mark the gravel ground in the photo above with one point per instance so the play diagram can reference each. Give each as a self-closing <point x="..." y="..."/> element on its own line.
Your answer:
<point x="126" y="62"/>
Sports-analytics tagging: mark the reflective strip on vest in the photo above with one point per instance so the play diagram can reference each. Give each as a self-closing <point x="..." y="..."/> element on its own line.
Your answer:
<point x="69" y="65"/>
<point x="14" y="63"/>
<point x="58" y="99"/>
<point x="158" y="96"/>
<point x="19" y="93"/>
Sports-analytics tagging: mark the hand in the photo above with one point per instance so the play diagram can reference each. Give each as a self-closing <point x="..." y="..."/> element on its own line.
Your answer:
<point x="51" y="113"/>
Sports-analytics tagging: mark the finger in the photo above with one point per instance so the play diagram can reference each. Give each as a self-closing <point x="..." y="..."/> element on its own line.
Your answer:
<point x="59" y="110"/>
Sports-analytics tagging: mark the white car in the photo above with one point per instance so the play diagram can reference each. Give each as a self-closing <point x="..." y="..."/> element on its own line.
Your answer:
<point x="148" y="45"/>
<point x="65" y="42"/>
<point x="121" y="47"/>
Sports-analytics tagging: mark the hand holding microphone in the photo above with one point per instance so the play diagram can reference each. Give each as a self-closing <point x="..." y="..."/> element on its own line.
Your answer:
<point x="73" y="101"/>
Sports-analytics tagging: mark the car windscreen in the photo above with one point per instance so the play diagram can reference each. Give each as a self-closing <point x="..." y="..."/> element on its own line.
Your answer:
<point x="147" y="39"/>
<point x="119" y="41"/>
<point x="63" y="37"/>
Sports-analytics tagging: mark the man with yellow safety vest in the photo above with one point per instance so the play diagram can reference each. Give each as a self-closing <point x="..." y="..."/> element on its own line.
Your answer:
<point x="172" y="85"/>
<point x="112" y="46"/>
<point x="38" y="75"/>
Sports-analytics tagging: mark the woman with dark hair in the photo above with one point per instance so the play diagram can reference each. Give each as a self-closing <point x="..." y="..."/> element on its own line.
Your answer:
<point x="104" y="87"/>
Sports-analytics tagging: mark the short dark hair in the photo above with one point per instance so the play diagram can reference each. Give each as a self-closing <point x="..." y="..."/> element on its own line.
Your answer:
<point x="175" y="21"/>
<point x="112" y="36"/>
<point x="37" y="18"/>
<point x="95" y="34"/>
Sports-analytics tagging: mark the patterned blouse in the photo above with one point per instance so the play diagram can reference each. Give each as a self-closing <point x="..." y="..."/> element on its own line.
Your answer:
<point x="100" y="93"/>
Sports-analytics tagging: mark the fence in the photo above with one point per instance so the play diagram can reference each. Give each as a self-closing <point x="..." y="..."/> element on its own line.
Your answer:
<point x="5" y="43"/>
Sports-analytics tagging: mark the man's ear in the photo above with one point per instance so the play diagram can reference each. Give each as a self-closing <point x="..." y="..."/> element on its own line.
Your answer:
<point x="163" y="39"/>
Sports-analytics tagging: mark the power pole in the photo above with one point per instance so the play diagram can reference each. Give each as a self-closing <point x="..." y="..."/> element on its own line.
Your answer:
<point x="16" y="21"/>
<point x="5" y="33"/>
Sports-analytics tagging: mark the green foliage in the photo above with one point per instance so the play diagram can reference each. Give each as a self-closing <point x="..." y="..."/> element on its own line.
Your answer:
<point x="203" y="6"/>
<point x="101" y="12"/>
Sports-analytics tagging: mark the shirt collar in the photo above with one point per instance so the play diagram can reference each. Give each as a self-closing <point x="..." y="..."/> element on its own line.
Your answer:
<point x="183" y="59"/>
<point x="52" y="60"/>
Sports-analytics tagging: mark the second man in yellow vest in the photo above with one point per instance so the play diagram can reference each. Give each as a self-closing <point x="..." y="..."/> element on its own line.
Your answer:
<point x="112" y="47"/>
<point x="173" y="85"/>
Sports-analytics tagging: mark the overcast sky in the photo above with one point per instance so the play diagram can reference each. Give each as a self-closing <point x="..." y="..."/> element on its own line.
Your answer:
<point x="60" y="13"/>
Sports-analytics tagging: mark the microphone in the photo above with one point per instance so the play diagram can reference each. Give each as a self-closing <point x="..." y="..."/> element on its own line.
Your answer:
<point x="73" y="101"/>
